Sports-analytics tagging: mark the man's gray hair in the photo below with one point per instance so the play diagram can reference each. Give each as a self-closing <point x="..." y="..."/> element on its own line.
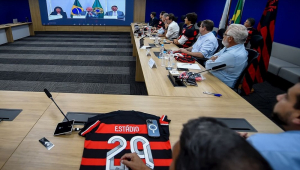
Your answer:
<point x="165" y="15"/>
<point x="238" y="32"/>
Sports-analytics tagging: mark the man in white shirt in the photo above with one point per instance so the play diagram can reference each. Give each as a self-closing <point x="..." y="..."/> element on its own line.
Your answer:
<point x="173" y="27"/>
<point x="114" y="12"/>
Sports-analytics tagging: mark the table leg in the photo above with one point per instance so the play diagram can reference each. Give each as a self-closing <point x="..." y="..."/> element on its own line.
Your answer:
<point x="139" y="77"/>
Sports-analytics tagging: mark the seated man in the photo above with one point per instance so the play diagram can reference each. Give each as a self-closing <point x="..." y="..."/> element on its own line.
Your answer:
<point x="188" y="36"/>
<point x="234" y="55"/>
<point x="207" y="144"/>
<point x="153" y="20"/>
<point x="115" y="12"/>
<point x="161" y="23"/>
<point x="206" y="44"/>
<point x="162" y="30"/>
<point x="282" y="150"/>
<point x="89" y="14"/>
<point x="249" y="23"/>
<point x="173" y="28"/>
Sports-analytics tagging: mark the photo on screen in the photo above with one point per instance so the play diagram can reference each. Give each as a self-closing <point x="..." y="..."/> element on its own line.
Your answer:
<point x="86" y="12"/>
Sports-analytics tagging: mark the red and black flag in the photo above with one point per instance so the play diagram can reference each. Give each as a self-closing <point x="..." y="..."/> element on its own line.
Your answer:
<point x="258" y="70"/>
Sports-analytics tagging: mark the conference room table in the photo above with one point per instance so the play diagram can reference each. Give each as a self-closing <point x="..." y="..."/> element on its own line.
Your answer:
<point x="157" y="80"/>
<point x="20" y="147"/>
<point x="11" y="32"/>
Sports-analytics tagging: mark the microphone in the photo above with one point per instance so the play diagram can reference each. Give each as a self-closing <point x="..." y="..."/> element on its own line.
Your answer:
<point x="215" y="68"/>
<point x="50" y="96"/>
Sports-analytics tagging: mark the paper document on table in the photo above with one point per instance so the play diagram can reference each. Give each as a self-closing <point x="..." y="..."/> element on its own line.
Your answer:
<point x="153" y="38"/>
<point x="144" y="47"/>
<point x="189" y="66"/>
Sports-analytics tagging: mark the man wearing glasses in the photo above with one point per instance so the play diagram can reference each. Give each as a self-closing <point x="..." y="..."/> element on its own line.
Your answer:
<point x="234" y="55"/>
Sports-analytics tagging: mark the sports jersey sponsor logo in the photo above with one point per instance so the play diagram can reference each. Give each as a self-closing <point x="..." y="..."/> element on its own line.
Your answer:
<point x="127" y="128"/>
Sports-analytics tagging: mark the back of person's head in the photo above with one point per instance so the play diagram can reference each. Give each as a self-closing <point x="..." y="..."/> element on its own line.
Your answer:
<point x="238" y="32"/>
<point x="252" y="21"/>
<point x="208" y="24"/>
<point x="162" y="12"/>
<point x="192" y="17"/>
<point x="172" y="17"/>
<point x="207" y="144"/>
<point x="153" y="14"/>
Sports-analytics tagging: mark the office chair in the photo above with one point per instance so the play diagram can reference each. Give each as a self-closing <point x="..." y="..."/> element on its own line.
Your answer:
<point x="221" y="32"/>
<point x="252" y="56"/>
<point x="256" y="41"/>
<point x="220" y="45"/>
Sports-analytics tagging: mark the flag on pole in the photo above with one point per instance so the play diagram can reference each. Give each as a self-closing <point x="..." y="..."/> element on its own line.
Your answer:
<point x="237" y="16"/>
<point x="257" y="72"/>
<point x="76" y="9"/>
<point x="98" y="9"/>
<point x="224" y="18"/>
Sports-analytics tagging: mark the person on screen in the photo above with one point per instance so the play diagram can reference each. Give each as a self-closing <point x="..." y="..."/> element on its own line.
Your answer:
<point x="115" y="12"/>
<point x="59" y="11"/>
<point x="89" y="13"/>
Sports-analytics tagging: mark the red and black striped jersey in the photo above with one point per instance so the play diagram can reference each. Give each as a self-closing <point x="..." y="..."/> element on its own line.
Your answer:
<point x="160" y="24"/>
<point x="109" y="136"/>
<point x="188" y="36"/>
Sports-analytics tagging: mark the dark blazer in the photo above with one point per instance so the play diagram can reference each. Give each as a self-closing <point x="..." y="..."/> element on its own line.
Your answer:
<point x="153" y="22"/>
<point x="64" y="15"/>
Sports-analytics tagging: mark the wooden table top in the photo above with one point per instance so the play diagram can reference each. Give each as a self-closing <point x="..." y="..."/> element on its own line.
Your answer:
<point x="17" y="24"/>
<point x="68" y="150"/>
<point x="158" y="84"/>
<point x="12" y="133"/>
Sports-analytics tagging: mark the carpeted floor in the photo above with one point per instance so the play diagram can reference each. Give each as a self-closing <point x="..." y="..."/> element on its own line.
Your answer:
<point x="70" y="62"/>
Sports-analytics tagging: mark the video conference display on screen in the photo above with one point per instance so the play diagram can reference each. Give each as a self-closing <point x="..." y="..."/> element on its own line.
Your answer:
<point x="86" y="12"/>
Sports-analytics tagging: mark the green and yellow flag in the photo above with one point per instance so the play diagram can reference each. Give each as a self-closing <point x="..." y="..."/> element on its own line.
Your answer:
<point x="76" y="9"/>
<point x="237" y="16"/>
<point x="98" y="9"/>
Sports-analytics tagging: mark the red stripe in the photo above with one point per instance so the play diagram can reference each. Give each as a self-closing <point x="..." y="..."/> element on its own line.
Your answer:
<point x="102" y="162"/>
<point x="122" y="129"/>
<point x="162" y="122"/>
<point x="88" y="144"/>
<point x="90" y="128"/>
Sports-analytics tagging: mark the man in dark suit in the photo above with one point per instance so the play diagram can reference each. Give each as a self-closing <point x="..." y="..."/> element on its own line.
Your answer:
<point x="59" y="11"/>
<point x="115" y="12"/>
<point x="153" y="20"/>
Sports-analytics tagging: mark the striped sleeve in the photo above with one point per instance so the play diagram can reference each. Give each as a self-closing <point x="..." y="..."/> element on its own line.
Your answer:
<point x="91" y="126"/>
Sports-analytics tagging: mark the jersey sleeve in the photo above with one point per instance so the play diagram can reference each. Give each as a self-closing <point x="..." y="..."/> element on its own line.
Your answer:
<point x="89" y="127"/>
<point x="164" y="122"/>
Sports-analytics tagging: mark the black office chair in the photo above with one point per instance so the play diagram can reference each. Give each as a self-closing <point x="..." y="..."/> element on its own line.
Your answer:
<point x="256" y="41"/>
<point x="252" y="56"/>
<point x="220" y="45"/>
<point x="221" y="32"/>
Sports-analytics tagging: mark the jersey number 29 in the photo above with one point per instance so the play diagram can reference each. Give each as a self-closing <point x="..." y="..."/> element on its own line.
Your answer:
<point x="145" y="153"/>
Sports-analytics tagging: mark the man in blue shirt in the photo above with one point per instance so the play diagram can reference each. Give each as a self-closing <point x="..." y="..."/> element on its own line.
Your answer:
<point x="206" y="44"/>
<point x="234" y="55"/>
<point x="282" y="150"/>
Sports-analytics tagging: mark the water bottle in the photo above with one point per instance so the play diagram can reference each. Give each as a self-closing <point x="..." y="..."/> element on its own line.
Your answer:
<point x="163" y="61"/>
<point x="161" y="51"/>
<point x="169" y="58"/>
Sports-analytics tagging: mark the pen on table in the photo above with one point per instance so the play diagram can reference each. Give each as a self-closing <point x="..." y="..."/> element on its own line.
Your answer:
<point x="214" y="94"/>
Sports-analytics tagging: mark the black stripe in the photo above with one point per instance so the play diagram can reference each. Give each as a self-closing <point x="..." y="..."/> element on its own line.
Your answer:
<point x="65" y="52"/>
<point x="83" y="167"/>
<point x="94" y="153"/>
<point x="127" y="137"/>
<point x="73" y="45"/>
<point x="68" y="62"/>
<point x="66" y="77"/>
